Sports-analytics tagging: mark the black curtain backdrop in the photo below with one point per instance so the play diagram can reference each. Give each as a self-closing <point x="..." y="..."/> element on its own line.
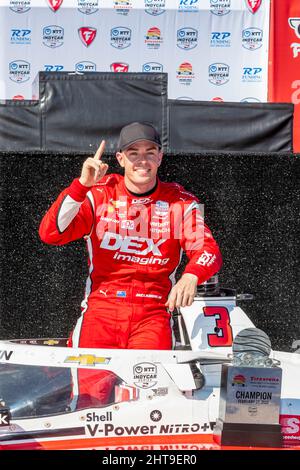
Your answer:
<point x="251" y="205"/>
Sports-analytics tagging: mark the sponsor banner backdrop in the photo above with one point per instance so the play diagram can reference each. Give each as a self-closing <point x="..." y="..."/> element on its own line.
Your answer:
<point x="211" y="49"/>
<point x="285" y="59"/>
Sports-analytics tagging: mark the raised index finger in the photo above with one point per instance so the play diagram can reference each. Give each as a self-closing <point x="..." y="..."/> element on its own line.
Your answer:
<point x="100" y="151"/>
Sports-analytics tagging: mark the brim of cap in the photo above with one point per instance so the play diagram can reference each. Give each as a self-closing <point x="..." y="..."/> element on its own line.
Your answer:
<point x="138" y="140"/>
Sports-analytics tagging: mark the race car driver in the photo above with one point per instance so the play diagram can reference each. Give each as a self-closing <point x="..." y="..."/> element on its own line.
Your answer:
<point x="136" y="228"/>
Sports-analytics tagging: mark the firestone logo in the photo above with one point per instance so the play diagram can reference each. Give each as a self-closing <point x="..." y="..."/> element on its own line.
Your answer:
<point x="187" y="38"/>
<point x="120" y="37"/>
<point x="155" y="7"/>
<point x="19" y="71"/>
<point x="294" y="23"/>
<point x="20" y="6"/>
<point x="253" y="5"/>
<point x="54" y="4"/>
<point x="218" y="74"/>
<point x="119" y="67"/>
<point x="87" y="35"/>
<point x="220" y="7"/>
<point x="88" y="7"/>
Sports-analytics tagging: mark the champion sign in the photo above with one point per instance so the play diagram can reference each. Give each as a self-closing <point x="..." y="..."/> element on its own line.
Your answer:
<point x="155" y="7"/>
<point x="87" y="35"/>
<point x="19" y="71"/>
<point x="20" y="6"/>
<point x="88" y="7"/>
<point x="53" y="36"/>
<point x="252" y="38"/>
<point x="54" y="4"/>
<point x="220" y="7"/>
<point x="120" y="37"/>
<point x="218" y="74"/>
<point x="187" y="38"/>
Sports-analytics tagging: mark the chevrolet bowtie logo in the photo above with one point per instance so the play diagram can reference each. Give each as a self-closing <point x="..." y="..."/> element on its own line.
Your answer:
<point x="87" y="359"/>
<point x="50" y="342"/>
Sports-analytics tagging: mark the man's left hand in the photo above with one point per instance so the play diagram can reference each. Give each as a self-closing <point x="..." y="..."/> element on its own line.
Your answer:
<point x="183" y="293"/>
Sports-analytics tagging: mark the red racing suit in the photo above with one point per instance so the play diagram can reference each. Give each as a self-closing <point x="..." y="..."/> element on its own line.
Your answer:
<point x="134" y="245"/>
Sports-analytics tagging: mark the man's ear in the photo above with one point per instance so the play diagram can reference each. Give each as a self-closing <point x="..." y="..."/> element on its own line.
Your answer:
<point x="120" y="158"/>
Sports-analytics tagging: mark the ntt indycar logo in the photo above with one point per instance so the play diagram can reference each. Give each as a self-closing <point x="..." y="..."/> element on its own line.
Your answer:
<point x="155" y="7"/>
<point x="120" y="37"/>
<point x="187" y="38"/>
<point x="19" y="71"/>
<point x="85" y="66"/>
<point x="53" y="36"/>
<point x="218" y="74"/>
<point x="220" y="7"/>
<point x="252" y="38"/>
<point x="20" y="6"/>
<point x="88" y="7"/>
<point x="152" y="67"/>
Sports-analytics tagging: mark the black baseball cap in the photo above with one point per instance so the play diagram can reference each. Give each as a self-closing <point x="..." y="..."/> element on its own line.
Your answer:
<point x="138" y="131"/>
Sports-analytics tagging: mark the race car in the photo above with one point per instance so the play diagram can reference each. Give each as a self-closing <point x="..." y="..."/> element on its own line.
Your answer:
<point x="161" y="399"/>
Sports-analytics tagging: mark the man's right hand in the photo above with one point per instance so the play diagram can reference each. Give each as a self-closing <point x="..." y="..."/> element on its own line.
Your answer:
<point x="93" y="168"/>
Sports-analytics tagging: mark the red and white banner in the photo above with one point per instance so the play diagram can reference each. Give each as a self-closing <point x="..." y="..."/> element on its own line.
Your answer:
<point x="211" y="49"/>
<point x="284" y="72"/>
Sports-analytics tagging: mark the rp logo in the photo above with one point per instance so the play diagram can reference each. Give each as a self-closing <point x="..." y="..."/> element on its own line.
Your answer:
<point x="253" y="5"/>
<point x="54" y="4"/>
<point x="87" y="35"/>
